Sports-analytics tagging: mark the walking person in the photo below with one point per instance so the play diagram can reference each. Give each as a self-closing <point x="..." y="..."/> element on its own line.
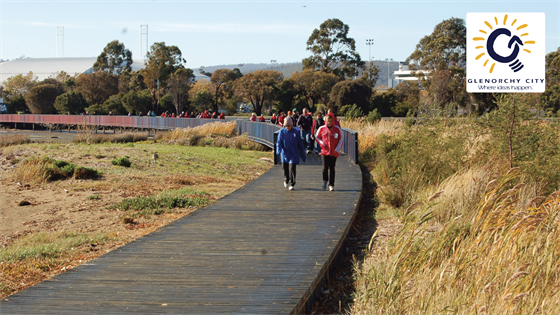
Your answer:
<point x="281" y="117"/>
<point x="330" y="139"/>
<point x="290" y="148"/>
<point x="304" y="123"/>
<point x="317" y="123"/>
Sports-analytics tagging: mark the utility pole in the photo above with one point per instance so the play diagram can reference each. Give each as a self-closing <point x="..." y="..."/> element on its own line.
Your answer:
<point x="369" y="42"/>
<point x="143" y="31"/>
<point x="388" y="60"/>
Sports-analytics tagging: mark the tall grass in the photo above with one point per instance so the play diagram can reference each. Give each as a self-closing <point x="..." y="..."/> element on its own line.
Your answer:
<point x="216" y="128"/>
<point x="217" y="134"/>
<point x="111" y="138"/>
<point x="477" y="236"/>
<point x="369" y="133"/>
<point x="42" y="170"/>
<point x="8" y="140"/>
<point x="499" y="256"/>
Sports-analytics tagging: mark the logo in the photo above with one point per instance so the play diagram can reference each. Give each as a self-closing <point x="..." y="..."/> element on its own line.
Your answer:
<point x="505" y="52"/>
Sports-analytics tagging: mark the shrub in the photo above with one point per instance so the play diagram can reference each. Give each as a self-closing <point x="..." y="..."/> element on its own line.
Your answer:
<point x="86" y="173"/>
<point x="373" y="116"/>
<point x="415" y="158"/>
<point x="39" y="170"/>
<point x="409" y="121"/>
<point x="121" y="161"/>
<point x="195" y="139"/>
<point x="353" y="112"/>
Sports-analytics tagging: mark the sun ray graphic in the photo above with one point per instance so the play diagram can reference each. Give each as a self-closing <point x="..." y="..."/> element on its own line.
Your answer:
<point x="483" y="39"/>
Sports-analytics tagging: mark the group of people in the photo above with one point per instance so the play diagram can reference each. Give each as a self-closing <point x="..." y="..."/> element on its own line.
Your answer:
<point x="298" y="139"/>
<point x="206" y="114"/>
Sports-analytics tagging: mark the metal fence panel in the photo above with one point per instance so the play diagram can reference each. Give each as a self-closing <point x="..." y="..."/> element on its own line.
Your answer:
<point x="264" y="133"/>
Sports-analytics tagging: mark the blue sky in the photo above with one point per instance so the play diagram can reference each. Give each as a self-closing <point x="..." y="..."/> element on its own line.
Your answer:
<point x="230" y="32"/>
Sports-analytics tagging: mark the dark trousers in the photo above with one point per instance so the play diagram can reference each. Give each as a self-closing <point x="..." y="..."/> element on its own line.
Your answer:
<point x="328" y="167"/>
<point x="289" y="173"/>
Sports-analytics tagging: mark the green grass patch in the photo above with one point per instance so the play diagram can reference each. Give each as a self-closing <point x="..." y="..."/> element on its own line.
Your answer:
<point x="86" y="173"/>
<point x="121" y="161"/>
<point x="49" y="245"/>
<point x="160" y="204"/>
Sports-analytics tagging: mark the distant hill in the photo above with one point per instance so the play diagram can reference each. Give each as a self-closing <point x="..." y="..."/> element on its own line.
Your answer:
<point x="288" y="69"/>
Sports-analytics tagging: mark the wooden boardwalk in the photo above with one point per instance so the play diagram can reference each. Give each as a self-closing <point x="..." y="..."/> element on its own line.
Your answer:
<point x="258" y="250"/>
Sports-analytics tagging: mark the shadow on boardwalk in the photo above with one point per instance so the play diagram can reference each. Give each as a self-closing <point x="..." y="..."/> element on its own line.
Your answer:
<point x="257" y="250"/>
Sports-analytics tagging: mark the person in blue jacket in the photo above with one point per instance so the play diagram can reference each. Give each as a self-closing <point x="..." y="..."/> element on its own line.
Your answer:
<point x="290" y="148"/>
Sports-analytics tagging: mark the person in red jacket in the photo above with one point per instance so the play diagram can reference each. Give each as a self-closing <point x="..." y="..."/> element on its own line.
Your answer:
<point x="222" y="116"/>
<point x="330" y="138"/>
<point x="254" y="117"/>
<point x="281" y="118"/>
<point x="336" y="122"/>
<point x="261" y="119"/>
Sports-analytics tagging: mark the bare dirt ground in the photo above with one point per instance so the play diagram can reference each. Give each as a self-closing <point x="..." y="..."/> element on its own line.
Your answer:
<point x="82" y="206"/>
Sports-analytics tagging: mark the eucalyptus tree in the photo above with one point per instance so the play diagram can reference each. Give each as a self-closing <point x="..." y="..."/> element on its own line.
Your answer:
<point x="333" y="51"/>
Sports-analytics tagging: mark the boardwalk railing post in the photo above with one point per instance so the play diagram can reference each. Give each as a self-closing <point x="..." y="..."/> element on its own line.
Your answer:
<point x="356" y="148"/>
<point x="275" y="149"/>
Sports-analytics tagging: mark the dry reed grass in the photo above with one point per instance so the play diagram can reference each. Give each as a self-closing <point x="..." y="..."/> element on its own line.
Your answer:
<point x="498" y="255"/>
<point x="368" y="132"/>
<point x="216" y="128"/>
<point x="32" y="172"/>
<point x="13" y="140"/>
<point x="111" y="138"/>
<point x="217" y="134"/>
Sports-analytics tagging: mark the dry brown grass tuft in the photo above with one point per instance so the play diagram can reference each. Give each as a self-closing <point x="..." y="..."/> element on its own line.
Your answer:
<point x="13" y="140"/>
<point x="111" y="138"/>
<point x="216" y="128"/>
<point x="499" y="254"/>
<point x="368" y="133"/>
<point x="32" y="172"/>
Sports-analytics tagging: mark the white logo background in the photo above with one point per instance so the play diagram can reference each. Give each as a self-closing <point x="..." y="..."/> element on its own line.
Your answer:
<point x="503" y="79"/>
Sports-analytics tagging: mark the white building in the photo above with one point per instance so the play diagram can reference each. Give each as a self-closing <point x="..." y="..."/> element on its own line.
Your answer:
<point x="403" y="74"/>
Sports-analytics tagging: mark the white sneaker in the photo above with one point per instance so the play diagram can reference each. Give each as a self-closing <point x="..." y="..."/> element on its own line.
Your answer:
<point x="291" y="188"/>
<point x="331" y="188"/>
<point x="324" y="185"/>
<point x="307" y="151"/>
<point x="285" y="184"/>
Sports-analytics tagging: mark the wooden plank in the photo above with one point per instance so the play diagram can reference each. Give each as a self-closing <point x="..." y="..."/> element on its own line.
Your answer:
<point x="257" y="250"/>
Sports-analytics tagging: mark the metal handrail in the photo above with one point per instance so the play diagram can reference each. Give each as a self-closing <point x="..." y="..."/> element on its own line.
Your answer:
<point x="264" y="133"/>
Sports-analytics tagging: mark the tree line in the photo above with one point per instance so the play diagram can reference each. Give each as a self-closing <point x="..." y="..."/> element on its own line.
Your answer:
<point x="334" y="77"/>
